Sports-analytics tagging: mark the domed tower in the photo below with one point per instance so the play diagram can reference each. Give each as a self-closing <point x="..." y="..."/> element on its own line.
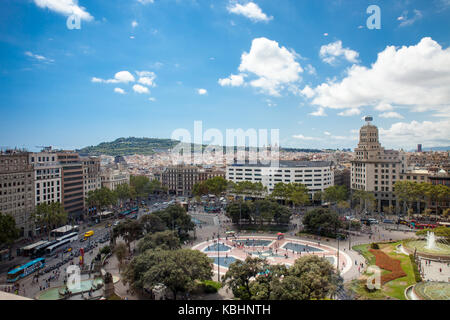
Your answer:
<point x="369" y="146"/>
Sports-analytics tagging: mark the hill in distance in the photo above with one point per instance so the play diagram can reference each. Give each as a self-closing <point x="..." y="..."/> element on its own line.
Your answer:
<point x="145" y="146"/>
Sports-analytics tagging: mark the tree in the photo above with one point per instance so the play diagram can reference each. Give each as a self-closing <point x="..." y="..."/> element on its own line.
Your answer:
<point x="239" y="275"/>
<point x="124" y="192"/>
<point x="101" y="198"/>
<point x="311" y="277"/>
<point x="130" y="231"/>
<point x="121" y="252"/>
<point x="141" y="184"/>
<point x="335" y="194"/>
<point x="238" y="210"/>
<point x="407" y="192"/>
<point x="176" y="219"/>
<point x="49" y="215"/>
<point x="166" y="240"/>
<point x="317" y="196"/>
<point x="296" y="193"/>
<point x="321" y="221"/>
<point x="178" y="270"/>
<point x="152" y="223"/>
<point x="364" y="199"/>
<point x="8" y="230"/>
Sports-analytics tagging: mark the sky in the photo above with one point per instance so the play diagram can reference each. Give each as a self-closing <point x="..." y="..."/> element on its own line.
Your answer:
<point x="77" y="73"/>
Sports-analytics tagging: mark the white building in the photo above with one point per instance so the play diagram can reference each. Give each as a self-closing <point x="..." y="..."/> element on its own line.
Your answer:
<point x="47" y="177"/>
<point x="316" y="175"/>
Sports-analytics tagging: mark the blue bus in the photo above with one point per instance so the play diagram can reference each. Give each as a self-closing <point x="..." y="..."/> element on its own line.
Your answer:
<point x="25" y="270"/>
<point x="125" y="213"/>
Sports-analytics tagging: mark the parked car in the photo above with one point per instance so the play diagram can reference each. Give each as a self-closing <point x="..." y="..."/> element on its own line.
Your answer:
<point x="388" y="221"/>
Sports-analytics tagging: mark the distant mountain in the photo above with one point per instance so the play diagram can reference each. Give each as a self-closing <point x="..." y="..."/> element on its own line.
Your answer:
<point x="146" y="146"/>
<point x="129" y="146"/>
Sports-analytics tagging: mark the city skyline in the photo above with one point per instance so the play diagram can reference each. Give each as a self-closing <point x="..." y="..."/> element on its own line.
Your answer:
<point x="147" y="68"/>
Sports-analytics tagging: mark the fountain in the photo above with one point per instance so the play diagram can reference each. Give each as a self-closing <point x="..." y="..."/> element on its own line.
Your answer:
<point x="431" y="241"/>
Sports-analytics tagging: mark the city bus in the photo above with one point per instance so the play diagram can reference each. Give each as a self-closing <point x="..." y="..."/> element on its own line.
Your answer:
<point x="444" y="224"/>
<point x="28" y="250"/>
<point x="40" y="250"/>
<point x="59" y="245"/>
<point x="71" y="236"/>
<point x="25" y="270"/>
<point x="62" y="231"/>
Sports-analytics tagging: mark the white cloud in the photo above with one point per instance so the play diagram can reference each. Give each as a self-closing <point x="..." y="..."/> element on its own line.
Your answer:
<point x="147" y="78"/>
<point x="270" y="103"/>
<point x="65" y="7"/>
<point x="146" y="1"/>
<point x="407" y="22"/>
<point x="152" y="99"/>
<point x="134" y="24"/>
<point x="307" y="92"/>
<point x="276" y="67"/>
<point x="350" y="112"/>
<point x="417" y="76"/>
<point x="330" y="52"/>
<point x="202" y="92"/>
<point x="407" y="135"/>
<point x="140" y="89"/>
<point x="391" y="114"/>
<point x="384" y="107"/>
<point x="119" y="90"/>
<point x="327" y="133"/>
<point x="325" y="34"/>
<point x="250" y="10"/>
<point x="119" y="77"/>
<point x="233" y="80"/>
<point x="38" y="57"/>
<point x="319" y="113"/>
<point x="302" y="137"/>
<point x="310" y="69"/>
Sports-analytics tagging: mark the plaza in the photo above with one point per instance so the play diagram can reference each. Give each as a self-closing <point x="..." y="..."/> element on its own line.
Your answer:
<point x="225" y="251"/>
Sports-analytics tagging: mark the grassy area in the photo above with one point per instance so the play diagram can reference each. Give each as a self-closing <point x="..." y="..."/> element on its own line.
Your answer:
<point x="393" y="289"/>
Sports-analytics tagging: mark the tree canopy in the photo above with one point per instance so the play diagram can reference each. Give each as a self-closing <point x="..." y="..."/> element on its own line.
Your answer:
<point x="8" y="230"/>
<point x="178" y="270"/>
<point x="166" y="240"/>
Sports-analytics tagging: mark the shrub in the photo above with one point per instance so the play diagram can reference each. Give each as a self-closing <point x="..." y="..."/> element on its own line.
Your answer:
<point x="105" y="250"/>
<point x="209" y="286"/>
<point x="374" y="246"/>
<point x="417" y="276"/>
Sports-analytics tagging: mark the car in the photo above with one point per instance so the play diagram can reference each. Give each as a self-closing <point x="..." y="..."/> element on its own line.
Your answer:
<point x="116" y="223"/>
<point x="388" y="221"/>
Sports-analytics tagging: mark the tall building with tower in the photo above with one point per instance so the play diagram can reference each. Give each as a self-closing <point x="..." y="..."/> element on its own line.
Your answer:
<point x="375" y="169"/>
<point x="419" y="148"/>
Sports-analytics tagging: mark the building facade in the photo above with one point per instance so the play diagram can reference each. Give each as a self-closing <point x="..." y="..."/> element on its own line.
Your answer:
<point x="316" y="175"/>
<point x="375" y="169"/>
<point x="91" y="174"/>
<point x="47" y="177"/>
<point x="17" y="189"/>
<point x="112" y="176"/>
<point x="72" y="182"/>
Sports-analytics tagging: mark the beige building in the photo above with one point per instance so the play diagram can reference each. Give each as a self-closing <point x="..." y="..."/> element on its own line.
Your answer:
<point x="180" y="179"/>
<point x="375" y="169"/>
<point x="112" y="176"/>
<point x="17" y="189"/>
<point x="91" y="174"/>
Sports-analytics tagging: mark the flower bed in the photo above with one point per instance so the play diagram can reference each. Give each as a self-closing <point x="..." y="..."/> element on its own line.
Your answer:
<point x="385" y="262"/>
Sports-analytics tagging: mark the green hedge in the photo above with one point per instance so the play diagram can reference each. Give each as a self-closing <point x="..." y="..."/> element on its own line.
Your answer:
<point x="417" y="276"/>
<point x="374" y="246"/>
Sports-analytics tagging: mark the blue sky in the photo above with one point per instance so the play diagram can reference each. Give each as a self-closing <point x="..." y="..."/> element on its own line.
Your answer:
<point x="310" y="68"/>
